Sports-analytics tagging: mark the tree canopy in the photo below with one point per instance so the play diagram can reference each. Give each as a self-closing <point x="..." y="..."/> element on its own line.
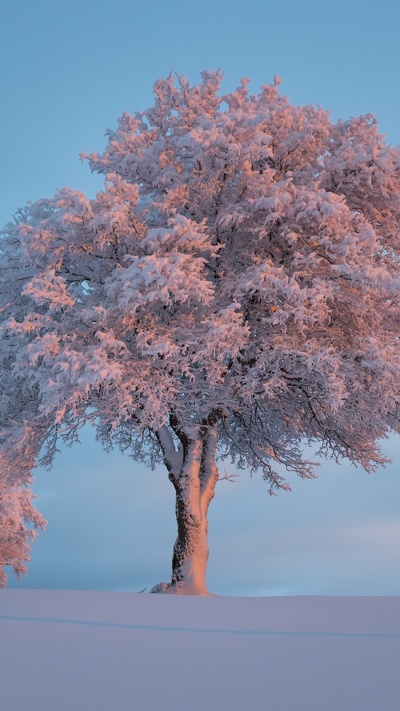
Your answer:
<point x="233" y="291"/>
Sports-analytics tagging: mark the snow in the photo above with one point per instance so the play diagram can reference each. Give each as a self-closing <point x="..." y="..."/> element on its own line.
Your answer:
<point x="101" y="651"/>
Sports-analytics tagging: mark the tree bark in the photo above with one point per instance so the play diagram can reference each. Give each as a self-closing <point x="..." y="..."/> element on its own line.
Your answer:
<point x="194" y="474"/>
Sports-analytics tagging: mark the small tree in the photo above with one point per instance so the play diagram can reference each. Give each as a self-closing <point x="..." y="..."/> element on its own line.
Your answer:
<point x="234" y="290"/>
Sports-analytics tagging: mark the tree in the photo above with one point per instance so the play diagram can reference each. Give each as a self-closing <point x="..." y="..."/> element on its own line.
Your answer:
<point x="232" y="292"/>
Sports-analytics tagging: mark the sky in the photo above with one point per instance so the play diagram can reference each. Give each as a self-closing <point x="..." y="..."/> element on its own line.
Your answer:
<point x="68" y="70"/>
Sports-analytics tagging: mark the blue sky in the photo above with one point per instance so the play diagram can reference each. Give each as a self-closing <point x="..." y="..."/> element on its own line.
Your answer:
<point x="68" y="71"/>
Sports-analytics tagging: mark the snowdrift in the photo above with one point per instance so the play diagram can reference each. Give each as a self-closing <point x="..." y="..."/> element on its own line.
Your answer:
<point x="101" y="651"/>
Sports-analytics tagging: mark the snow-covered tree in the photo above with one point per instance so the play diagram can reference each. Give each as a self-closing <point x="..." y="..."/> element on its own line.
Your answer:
<point x="232" y="292"/>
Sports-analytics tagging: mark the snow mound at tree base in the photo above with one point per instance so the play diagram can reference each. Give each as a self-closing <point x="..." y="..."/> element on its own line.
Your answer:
<point x="99" y="651"/>
<point x="178" y="589"/>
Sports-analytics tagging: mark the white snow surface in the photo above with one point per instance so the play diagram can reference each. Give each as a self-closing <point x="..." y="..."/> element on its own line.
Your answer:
<point x="112" y="651"/>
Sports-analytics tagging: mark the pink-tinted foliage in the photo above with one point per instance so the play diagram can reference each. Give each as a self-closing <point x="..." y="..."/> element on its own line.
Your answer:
<point x="239" y="274"/>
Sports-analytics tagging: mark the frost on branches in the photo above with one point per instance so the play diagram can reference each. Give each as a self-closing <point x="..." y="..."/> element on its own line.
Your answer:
<point x="233" y="291"/>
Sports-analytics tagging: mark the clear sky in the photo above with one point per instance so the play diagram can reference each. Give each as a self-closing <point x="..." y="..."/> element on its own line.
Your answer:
<point x="68" y="70"/>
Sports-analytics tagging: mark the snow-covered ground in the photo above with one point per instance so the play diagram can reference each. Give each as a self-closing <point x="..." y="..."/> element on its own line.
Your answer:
<point x="99" y="651"/>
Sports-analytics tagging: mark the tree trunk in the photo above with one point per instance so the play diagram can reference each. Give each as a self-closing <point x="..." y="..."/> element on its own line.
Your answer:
<point x="194" y="474"/>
